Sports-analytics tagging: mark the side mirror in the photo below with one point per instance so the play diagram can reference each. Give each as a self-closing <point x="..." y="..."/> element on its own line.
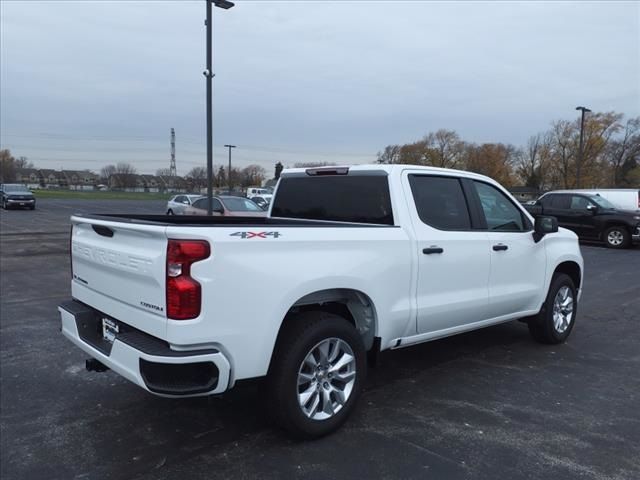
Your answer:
<point x="544" y="225"/>
<point x="218" y="210"/>
<point x="592" y="208"/>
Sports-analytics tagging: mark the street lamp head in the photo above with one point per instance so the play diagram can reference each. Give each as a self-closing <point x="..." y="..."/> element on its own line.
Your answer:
<point x="584" y="109"/>
<point x="230" y="146"/>
<point x="225" y="4"/>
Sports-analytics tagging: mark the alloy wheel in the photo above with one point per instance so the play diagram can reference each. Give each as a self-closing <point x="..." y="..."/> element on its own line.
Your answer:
<point x="563" y="309"/>
<point x="326" y="378"/>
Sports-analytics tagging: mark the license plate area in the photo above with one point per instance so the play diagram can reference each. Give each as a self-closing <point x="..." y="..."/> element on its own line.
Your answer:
<point x="110" y="329"/>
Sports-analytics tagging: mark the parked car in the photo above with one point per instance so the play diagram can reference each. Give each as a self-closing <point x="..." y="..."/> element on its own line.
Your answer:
<point x="177" y="203"/>
<point x="15" y="195"/>
<point x="622" y="198"/>
<point x="591" y="217"/>
<point x="262" y="202"/>
<point x="226" y="206"/>
<point x="350" y="262"/>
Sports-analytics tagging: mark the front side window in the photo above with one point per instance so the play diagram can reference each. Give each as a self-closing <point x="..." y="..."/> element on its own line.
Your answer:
<point x="501" y="214"/>
<point x="602" y="202"/>
<point x="579" y="203"/>
<point x="201" y="204"/>
<point x="440" y="202"/>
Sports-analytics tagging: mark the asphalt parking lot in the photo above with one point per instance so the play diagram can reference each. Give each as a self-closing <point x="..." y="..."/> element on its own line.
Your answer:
<point x="484" y="405"/>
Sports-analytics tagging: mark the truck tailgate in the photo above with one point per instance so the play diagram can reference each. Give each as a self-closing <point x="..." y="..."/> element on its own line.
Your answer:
<point x="119" y="269"/>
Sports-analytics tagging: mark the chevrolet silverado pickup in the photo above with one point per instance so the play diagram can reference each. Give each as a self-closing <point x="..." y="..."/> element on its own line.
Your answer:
<point x="356" y="260"/>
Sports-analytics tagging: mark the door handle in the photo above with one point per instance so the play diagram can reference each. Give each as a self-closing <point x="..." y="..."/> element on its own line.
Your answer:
<point x="430" y="250"/>
<point x="500" y="247"/>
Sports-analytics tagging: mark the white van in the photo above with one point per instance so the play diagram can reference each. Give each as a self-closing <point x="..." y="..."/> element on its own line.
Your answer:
<point x="623" y="198"/>
<point x="256" y="191"/>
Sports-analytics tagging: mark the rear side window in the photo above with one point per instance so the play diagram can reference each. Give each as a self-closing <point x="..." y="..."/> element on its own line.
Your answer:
<point x="339" y="198"/>
<point x="561" y="201"/>
<point x="440" y="202"/>
<point x="547" y="200"/>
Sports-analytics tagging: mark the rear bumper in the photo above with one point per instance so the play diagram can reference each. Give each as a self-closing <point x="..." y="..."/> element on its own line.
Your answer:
<point x="145" y="360"/>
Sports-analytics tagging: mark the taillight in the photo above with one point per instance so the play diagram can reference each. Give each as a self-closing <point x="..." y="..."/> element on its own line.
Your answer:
<point x="184" y="296"/>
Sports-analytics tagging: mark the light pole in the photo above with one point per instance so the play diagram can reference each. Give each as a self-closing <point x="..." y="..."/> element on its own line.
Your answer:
<point x="229" y="171"/>
<point x="580" y="150"/>
<point x="226" y="5"/>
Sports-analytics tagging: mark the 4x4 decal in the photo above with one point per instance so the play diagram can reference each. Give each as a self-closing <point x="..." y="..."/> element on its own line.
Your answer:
<point x="256" y="234"/>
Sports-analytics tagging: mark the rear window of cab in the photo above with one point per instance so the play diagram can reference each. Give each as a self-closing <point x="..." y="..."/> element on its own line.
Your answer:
<point x="338" y="198"/>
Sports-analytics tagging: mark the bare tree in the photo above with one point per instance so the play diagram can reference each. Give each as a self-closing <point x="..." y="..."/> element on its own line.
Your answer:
<point x="390" y="154"/>
<point x="23" y="162"/>
<point x="444" y="149"/>
<point x="125" y="175"/>
<point x="106" y="173"/>
<point x="621" y="153"/>
<point x="7" y="167"/>
<point x="197" y="177"/>
<point x="252" y="175"/>
<point x="530" y="161"/>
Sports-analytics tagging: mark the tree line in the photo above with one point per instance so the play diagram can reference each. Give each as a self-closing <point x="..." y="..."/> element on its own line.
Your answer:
<point x="549" y="160"/>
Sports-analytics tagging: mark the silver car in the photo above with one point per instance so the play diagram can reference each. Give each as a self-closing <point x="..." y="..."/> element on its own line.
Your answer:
<point x="177" y="203"/>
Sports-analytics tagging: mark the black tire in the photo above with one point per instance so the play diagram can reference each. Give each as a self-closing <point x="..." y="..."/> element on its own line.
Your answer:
<point x="300" y="335"/>
<point x="33" y="207"/>
<point x="617" y="237"/>
<point x="4" y="205"/>
<point x="542" y="326"/>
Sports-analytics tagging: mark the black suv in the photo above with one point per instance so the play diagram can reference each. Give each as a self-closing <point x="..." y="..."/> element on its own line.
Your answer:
<point x="591" y="217"/>
<point x="16" y="195"/>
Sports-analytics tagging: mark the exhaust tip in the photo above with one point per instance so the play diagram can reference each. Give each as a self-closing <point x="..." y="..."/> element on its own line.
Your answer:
<point x="93" y="365"/>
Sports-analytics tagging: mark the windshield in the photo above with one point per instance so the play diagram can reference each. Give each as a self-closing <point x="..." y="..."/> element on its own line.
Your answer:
<point x="601" y="202"/>
<point x="240" y="205"/>
<point x="16" y="188"/>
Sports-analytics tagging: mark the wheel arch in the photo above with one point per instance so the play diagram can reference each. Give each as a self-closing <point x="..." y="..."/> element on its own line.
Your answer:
<point x="572" y="269"/>
<point x="353" y="305"/>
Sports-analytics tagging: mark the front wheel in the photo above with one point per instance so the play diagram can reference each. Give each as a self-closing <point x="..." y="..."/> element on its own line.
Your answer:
<point x="316" y="374"/>
<point x="556" y="319"/>
<point x="617" y="237"/>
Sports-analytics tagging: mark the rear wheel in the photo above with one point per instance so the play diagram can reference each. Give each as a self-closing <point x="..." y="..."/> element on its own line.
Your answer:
<point x="556" y="319"/>
<point x="316" y="374"/>
<point x="617" y="237"/>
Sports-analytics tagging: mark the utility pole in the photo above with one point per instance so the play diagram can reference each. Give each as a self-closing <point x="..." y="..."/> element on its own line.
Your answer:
<point x="229" y="171"/>
<point x="208" y="73"/>
<point x="581" y="147"/>
<point x="172" y="165"/>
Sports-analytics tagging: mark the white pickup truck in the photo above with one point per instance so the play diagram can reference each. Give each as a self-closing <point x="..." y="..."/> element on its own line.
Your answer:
<point x="349" y="262"/>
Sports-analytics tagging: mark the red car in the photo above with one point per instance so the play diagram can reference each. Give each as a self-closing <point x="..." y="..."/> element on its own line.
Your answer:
<point x="227" y="206"/>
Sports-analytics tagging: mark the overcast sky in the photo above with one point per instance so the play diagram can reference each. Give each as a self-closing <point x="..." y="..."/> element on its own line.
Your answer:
<point x="85" y="83"/>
